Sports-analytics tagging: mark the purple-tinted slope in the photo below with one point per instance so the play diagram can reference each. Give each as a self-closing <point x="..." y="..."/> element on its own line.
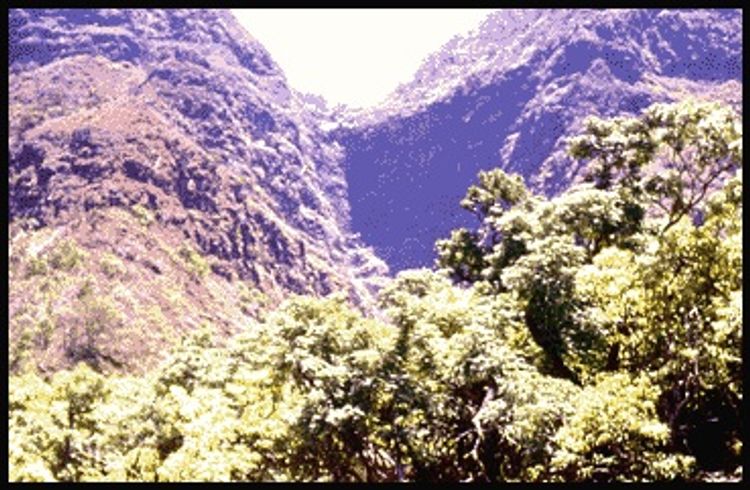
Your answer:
<point x="184" y="113"/>
<point x="507" y="96"/>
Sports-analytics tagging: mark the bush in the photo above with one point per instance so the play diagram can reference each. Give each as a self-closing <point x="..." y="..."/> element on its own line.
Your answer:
<point x="111" y="265"/>
<point x="145" y="216"/>
<point x="197" y="264"/>
<point x="37" y="266"/>
<point x="66" y="256"/>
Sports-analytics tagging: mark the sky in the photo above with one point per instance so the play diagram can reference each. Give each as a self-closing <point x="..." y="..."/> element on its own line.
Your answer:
<point x="354" y="56"/>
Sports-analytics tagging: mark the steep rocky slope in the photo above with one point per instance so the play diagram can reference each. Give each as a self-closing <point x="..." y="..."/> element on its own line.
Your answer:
<point x="169" y="144"/>
<point x="159" y="161"/>
<point x="508" y="95"/>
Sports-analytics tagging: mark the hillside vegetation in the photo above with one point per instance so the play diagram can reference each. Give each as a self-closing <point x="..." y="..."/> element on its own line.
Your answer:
<point x="594" y="336"/>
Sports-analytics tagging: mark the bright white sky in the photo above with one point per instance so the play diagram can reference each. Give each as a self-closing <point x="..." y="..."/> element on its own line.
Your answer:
<point x="354" y="56"/>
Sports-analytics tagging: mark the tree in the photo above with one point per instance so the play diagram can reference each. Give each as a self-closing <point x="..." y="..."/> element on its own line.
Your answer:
<point x="592" y="336"/>
<point x="322" y="358"/>
<point x="56" y="426"/>
<point x="615" y="435"/>
<point x="474" y="408"/>
<point x="645" y="174"/>
<point x="669" y="158"/>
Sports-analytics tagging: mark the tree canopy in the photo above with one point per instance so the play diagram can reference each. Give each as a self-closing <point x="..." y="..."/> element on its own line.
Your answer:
<point x="591" y="336"/>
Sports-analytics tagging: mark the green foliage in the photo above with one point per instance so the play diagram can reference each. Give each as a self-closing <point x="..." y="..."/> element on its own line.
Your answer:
<point x="111" y="265"/>
<point x="594" y="336"/>
<point x="496" y="192"/>
<point x="636" y="270"/>
<point x="670" y="156"/>
<point x="196" y="362"/>
<point x="55" y="431"/>
<point x="252" y="301"/>
<point x="462" y="255"/>
<point x="144" y="215"/>
<point x="37" y="266"/>
<point x="477" y="409"/>
<point x="30" y="447"/>
<point x="196" y="263"/>
<point x="65" y="256"/>
<point x="615" y="435"/>
<point x="323" y="359"/>
<point x="90" y="327"/>
<point x="534" y="247"/>
<point x="470" y="256"/>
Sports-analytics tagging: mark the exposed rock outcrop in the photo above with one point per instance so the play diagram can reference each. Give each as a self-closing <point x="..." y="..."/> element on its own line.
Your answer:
<point x="182" y="115"/>
<point x="508" y="95"/>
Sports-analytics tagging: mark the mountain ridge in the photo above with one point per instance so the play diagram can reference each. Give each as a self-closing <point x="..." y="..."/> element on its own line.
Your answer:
<point x="481" y="103"/>
<point x="182" y="120"/>
<point x="169" y="142"/>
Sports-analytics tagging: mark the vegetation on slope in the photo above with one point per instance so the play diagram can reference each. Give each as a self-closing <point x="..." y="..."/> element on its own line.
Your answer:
<point x="595" y="336"/>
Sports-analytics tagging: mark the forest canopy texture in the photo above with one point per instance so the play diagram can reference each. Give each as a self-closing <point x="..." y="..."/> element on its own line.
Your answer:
<point x="593" y="336"/>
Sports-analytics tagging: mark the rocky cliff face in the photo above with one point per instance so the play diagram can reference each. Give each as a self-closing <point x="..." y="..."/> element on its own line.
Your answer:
<point x="167" y="141"/>
<point x="162" y="174"/>
<point x="507" y="96"/>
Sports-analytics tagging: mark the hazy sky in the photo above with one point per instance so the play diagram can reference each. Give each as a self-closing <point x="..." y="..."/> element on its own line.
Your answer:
<point x="354" y="56"/>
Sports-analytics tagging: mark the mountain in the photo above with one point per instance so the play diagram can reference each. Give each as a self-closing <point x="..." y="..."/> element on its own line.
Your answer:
<point x="508" y="95"/>
<point x="162" y="175"/>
